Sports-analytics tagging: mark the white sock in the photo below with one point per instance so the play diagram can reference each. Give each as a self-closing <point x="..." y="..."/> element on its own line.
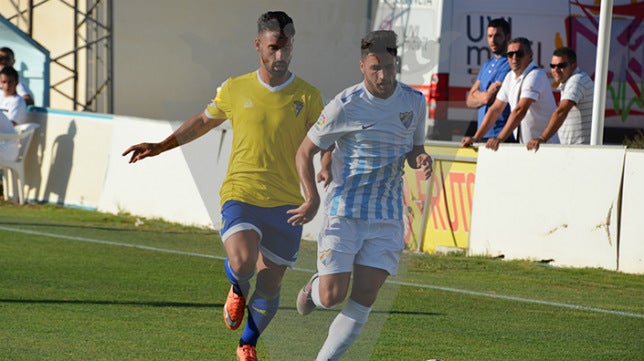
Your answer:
<point x="315" y="292"/>
<point x="344" y="330"/>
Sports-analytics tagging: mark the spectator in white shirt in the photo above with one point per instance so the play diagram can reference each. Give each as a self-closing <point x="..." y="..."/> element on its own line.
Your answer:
<point x="7" y="58"/>
<point x="12" y="105"/>
<point x="572" y="120"/>
<point x="527" y="89"/>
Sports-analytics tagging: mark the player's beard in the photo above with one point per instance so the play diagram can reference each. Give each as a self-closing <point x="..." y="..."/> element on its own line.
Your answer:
<point x="277" y="69"/>
<point x="383" y="90"/>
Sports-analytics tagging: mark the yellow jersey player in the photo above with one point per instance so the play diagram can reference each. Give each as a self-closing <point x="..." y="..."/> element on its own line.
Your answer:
<point x="270" y="111"/>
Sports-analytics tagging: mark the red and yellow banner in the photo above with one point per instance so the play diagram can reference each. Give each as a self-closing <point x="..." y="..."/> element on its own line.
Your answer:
<point x="438" y="211"/>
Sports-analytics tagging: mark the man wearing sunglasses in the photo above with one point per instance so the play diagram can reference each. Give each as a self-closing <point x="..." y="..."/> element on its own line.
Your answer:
<point x="527" y="89"/>
<point x="572" y="120"/>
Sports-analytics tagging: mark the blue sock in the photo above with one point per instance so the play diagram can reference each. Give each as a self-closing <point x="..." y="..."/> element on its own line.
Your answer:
<point x="262" y="308"/>
<point x="240" y="282"/>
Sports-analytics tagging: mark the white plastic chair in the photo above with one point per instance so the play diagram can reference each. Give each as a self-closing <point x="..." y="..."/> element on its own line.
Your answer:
<point x="17" y="167"/>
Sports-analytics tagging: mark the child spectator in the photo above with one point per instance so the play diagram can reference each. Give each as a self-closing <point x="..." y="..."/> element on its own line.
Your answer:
<point x="7" y="58"/>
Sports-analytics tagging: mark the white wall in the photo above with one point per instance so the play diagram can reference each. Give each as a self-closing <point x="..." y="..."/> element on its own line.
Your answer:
<point x="75" y="160"/>
<point x="68" y="157"/>
<point x="163" y="186"/>
<point x="560" y="203"/>
<point x="631" y="238"/>
<point x="181" y="185"/>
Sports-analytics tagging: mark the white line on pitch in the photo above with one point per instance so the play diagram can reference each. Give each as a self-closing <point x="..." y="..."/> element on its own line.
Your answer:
<point x="417" y="285"/>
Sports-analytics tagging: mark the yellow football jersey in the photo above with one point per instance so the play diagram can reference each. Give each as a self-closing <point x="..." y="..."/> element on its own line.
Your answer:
<point x="268" y="127"/>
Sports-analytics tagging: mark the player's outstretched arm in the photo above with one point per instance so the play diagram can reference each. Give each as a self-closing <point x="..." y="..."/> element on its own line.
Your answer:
<point x="190" y="130"/>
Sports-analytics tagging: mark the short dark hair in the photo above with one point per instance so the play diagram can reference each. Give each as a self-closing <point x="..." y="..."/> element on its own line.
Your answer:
<point x="379" y="41"/>
<point x="10" y="72"/>
<point x="8" y="50"/>
<point x="567" y="52"/>
<point x="500" y="23"/>
<point x="523" y="41"/>
<point x="276" y="21"/>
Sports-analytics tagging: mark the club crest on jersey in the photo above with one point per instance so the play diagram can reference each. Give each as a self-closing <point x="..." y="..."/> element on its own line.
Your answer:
<point x="298" y="107"/>
<point x="321" y="120"/>
<point x="406" y="117"/>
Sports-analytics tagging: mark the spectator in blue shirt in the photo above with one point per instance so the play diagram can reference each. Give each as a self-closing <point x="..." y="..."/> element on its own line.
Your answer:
<point x="488" y="82"/>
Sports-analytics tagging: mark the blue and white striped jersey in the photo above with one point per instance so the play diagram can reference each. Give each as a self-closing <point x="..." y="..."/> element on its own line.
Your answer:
<point x="371" y="137"/>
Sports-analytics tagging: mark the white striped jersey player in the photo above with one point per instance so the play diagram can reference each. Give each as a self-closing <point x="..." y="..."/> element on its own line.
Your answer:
<point x="371" y="137"/>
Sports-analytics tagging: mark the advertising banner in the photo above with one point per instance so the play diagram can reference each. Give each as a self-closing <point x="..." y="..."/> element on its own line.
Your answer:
<point x="439" y="211"/>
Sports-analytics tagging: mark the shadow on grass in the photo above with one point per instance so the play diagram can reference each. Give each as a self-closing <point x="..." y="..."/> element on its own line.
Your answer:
<point x="115" y="303"/>
<point x="111" y="228"/>
<point x="184" y="305"/>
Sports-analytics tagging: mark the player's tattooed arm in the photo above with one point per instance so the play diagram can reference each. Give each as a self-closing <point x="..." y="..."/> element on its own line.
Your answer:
<point x="190" y="130"/>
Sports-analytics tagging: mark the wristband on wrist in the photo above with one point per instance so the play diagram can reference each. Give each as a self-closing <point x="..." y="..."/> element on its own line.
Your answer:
<point x="541" y="138"/>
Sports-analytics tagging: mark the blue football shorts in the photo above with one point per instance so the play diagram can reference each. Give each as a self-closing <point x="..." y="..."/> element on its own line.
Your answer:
<point x="278" y="240"/>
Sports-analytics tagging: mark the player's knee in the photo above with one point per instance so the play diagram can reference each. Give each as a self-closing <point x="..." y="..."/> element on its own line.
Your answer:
<point x="242" y="264"/>
<point x="331" y="299"/>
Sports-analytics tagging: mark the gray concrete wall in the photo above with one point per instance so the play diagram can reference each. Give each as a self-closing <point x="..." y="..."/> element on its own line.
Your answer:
<point x="170" y="56"/>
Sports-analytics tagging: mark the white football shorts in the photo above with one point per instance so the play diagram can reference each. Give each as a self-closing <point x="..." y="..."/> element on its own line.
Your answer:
<point x="344" y="242"/>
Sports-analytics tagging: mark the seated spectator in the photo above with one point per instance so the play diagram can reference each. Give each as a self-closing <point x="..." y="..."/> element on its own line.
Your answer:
<point x="12" y="105"/>
<point x="7" y="58"/>
<point x="8" y="148"/>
